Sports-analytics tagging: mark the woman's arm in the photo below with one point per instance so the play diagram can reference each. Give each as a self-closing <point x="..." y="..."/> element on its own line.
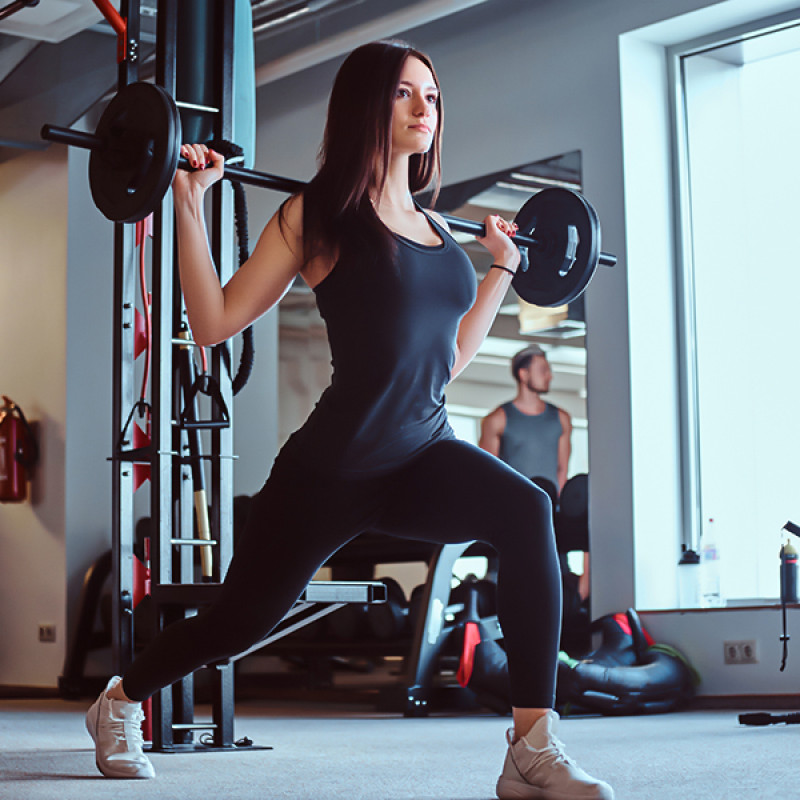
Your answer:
<point x="216" y="313"/>
<point x="476" y="322"/>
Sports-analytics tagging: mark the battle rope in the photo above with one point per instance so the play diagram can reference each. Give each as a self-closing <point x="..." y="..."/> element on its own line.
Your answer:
<point x="247" y="357"/>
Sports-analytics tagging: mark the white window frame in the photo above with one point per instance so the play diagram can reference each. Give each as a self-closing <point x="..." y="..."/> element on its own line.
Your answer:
<point x="691" y="489"/>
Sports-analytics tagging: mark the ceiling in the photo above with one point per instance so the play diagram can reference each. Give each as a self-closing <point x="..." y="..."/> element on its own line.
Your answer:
<point x="58" y="58"/>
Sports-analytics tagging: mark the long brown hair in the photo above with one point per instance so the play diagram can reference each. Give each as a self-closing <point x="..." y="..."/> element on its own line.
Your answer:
<point x="338" y="216"/>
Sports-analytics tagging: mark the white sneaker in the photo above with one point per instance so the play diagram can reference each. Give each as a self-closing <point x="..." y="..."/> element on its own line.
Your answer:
<point x="537" y="767"/>
<point x="116" y="727"/>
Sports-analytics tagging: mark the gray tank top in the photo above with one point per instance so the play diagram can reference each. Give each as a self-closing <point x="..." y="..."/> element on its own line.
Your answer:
<point x="530" y="442"/>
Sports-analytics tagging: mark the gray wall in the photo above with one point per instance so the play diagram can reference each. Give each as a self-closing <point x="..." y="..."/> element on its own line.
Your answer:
<point x="523" y="80"/>
<point x="513" y="93"/>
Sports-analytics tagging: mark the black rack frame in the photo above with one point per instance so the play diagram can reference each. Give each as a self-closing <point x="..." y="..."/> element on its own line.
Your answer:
<point x="171" y="507"/>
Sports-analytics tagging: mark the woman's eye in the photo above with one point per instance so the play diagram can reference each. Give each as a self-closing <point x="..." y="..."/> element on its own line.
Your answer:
<point x="432" y="98"/>
<point x="403" y="93"/>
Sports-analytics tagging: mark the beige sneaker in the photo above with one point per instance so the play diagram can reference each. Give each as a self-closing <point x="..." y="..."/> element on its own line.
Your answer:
<point x="116" y="727"/>
<point x="537" y="767"/>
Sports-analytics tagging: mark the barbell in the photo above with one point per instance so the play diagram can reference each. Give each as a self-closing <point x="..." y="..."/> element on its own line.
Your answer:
<point x="135" y="151"/>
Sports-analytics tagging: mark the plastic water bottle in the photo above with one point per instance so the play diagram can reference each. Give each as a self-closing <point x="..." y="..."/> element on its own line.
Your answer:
<point x="710" y="577"/>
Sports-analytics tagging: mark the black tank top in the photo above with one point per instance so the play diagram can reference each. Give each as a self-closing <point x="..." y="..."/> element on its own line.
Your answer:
<point x="392" y="332"/>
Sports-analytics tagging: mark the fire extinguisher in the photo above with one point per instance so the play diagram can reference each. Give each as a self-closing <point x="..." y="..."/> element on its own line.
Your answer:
<point x="18" y="452"/>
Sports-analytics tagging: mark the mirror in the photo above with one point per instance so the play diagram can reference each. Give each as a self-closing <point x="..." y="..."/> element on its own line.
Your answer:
<point x="486" y="382"/>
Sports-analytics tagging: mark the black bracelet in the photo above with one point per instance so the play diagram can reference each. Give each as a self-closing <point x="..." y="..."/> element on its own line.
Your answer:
<point x="505" y="269"/>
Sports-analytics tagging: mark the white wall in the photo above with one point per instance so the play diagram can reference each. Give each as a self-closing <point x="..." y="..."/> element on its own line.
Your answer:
<point x="89" y="341"/>
<point x="33" y="286"/>
<point x="700" y="636"/>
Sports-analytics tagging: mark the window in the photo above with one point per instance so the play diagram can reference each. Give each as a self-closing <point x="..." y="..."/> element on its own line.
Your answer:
<point x="738" y="124"/>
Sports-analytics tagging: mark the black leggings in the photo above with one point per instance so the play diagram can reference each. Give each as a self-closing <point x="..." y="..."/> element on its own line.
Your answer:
<point x="452" y="492"/>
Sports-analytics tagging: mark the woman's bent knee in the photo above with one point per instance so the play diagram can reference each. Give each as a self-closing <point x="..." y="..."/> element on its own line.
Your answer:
<point x="524" y="518"/>
<point x="529" y="503"/>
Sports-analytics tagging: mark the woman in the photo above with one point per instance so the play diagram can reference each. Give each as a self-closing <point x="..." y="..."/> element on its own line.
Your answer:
<point x="404" y="316"/>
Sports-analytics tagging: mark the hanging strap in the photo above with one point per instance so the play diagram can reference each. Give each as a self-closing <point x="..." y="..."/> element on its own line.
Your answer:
<point x="220" y="418"/>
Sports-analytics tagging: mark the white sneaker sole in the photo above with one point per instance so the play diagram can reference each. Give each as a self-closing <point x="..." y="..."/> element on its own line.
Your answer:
<point x="510" y="789"/>
<point x="91" y="726"/>
<point x="517" y="790"/>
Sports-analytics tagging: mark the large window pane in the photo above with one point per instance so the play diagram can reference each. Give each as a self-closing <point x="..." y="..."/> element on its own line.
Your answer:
<point x="743" y="128"/>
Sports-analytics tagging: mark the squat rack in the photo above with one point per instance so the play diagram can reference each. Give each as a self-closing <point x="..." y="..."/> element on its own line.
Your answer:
<point x="167" y="454"/>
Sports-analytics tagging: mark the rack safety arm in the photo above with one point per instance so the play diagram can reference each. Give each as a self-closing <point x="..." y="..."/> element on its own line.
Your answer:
<point x="118" y="23"/>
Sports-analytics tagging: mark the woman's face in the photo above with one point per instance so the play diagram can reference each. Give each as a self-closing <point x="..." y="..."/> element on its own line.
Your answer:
<point x="415" y="115"/>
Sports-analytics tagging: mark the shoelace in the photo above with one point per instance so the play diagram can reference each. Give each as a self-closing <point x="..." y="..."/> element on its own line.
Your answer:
<point x="550" y="756"/>
<point x="128" y="730"/>
<point x="554" y="754"/>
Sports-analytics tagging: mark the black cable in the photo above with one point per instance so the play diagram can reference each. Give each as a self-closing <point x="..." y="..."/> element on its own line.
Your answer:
<point x="247" y="357"/>
<point x="765" y="718"/>
<point x="207" y="740"/>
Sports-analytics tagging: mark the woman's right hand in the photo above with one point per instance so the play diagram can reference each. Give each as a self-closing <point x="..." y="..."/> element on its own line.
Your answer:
<point x="208" y="168"/>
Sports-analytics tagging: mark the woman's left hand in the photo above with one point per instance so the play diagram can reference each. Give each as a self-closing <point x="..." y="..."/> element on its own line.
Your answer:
<point x="499" y="233"/>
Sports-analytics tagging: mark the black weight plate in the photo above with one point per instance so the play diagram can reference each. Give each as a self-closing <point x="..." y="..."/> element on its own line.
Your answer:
<point x="547" y="216"/>
<point x="142" y="133"/>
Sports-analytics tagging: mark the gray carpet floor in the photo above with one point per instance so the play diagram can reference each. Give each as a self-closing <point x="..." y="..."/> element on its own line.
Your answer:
<point x="338" y="751"/>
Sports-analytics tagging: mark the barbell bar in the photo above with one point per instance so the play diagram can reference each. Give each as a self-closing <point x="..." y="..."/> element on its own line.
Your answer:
<point x="135" y="151"/>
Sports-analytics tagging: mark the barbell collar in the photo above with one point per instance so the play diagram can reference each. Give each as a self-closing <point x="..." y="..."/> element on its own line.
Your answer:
<point x="71" y="137"/>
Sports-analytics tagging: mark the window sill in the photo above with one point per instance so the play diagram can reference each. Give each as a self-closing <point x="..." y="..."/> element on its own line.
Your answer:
<point x="734" y="605"/>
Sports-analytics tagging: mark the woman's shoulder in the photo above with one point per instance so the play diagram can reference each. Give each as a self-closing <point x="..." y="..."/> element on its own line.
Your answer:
<point x="435" y="215"/>
<point x="292" y="211"/>
<point x="289" y="218"/>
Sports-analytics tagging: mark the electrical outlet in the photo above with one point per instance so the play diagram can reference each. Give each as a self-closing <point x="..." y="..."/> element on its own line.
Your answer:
<point x="47" y="632"/>
<point x="743" y="652"/>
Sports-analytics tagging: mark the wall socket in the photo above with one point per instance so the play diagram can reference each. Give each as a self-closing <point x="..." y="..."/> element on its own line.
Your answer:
<point x="743" y="652"/>
<point x="47" y="632"/>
